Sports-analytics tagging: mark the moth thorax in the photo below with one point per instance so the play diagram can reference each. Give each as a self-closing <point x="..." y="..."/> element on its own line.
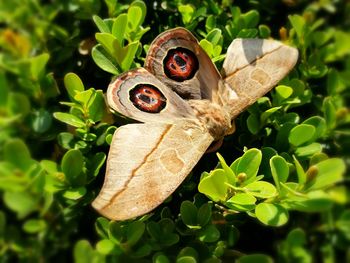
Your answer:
<point x="213" y="117"/>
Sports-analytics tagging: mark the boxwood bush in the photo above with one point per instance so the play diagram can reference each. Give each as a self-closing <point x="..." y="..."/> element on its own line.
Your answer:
<point x="276" y="191"/>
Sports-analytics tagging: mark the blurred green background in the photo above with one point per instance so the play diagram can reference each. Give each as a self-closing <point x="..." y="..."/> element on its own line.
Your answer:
<point x="56" y="61"/>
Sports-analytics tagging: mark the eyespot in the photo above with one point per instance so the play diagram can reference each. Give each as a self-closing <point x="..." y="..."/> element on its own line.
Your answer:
<point x="147" y="98"/>
<point x="180" y="64"/>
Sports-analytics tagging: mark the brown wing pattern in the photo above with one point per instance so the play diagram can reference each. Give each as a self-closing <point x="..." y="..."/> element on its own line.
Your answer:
<point x="118" y="98"/>
<point x="146" y="163"/>
<point x="204" y="82"/>
<point x="253" y="67"/>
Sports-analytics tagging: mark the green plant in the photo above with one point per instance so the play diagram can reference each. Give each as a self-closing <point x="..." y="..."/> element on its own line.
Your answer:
<point x="279" y="190"/>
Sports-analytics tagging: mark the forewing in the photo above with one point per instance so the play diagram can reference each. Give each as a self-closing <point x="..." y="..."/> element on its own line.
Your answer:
<point x="146" y="163"/>
<point x="123" y="92"/>
<point x="166" y="52"/>
<point x="253" y="67"/>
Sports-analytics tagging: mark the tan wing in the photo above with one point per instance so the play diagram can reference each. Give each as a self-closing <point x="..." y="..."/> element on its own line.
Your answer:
<point x="121" y="99"/>
<point x="253" y="67"/>
<point x="205" y="80"/>
<point x="146" y="163"/>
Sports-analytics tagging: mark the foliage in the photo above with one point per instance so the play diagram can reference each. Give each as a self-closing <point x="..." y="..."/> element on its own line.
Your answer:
<point x="279" y="191"/>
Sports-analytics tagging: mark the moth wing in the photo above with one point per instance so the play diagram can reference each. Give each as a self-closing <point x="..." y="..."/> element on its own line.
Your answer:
<point x="253" y="67"/>
<point x="146" y="163"/>
<point x="119" y="98"/>
<point x="204" y="82"/>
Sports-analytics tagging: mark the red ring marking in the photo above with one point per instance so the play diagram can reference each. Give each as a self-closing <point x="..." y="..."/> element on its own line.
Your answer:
<point x="180" y="64"/>
<point x="147" y="98"/>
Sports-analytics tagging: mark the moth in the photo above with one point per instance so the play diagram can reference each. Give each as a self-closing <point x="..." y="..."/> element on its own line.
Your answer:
<point x="183" y="105"/>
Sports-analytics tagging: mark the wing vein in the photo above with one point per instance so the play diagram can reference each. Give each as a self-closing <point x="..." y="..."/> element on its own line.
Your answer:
<point x="133" y="172"/>
<point x="252" y="62"/>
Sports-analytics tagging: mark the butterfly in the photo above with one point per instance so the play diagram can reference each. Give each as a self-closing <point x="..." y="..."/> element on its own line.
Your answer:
<point x="183" y="105"/>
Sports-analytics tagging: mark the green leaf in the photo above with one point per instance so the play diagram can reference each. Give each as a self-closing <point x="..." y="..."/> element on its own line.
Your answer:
<point x="247" y="33"/>
<point x="210" y="23"/>
<point x="69" y="119"/>
<point x="75" y="194"/>
<point x="298" y="23"/>
<point x="335" y="84"/>
<point x="271" y="214"/>
<point x="261" y="189"/>
<point x="160" y="258"/>
<point x="186" y="259"/>
<point x="279" y="170"/>
<point x="242" y="199"/>
<point x="284" y="92"/>
<point x="214" y="36"/>
<point x="209" y="234"/>
<point x="101" y="226"/>
<point x="143" y="8"/>
<point x="97" y="106"/>
<point x="119" y="27"/>
<point x="18" y="103"/>
<point x="300" y="171"/>
<point x="308" y="150"/>
<point x="32" y="226"/>
<point x="96" y="162"/>
<point x="329" y="112"/>
<point x="207" y="46"/>
<point x="319" y="124"/>
<point x="66" y="140"/>
<point x="17" y="153"/>
<point x="186" y="12"/>
<point x="229" y="173"/>
<point x="105" y="246"/>
<point x="204" y="214"/>
<point x="251" y="18"/>
<point x="329" y="172"/>
<point x="134" y="17"/>
<point x="188" y="213"/>
<point x="214" y="185"/>
<point x="101" y="25"/>
<point x="85" y="97"/>
<point x="188" y="251"/>
<point x="314" y="201"/>
<point x="116" y="232"/>
<point x="249" y="163"/>
<point x="264" y="31"/>
<point x="135" y="232"/>
<point x="73" y="84"/>
<point x="202" y="11"/>
<point x="42" y="121"/>
<point x="72" y="165"/>
<point x="110" y="44"/>
<point x="266" y="114"/>
<point x="253" y="123"/>
<point x="23" y="203"/>
<point x="102" y="61"/>
<point x="37" y="65"/>
<point x="130" y="52"/>
<point x="296" y="237"/>
<point x="83" y="253"/>
<point x="301" y="134"/>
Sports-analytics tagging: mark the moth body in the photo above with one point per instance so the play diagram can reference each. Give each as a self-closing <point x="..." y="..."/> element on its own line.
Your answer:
<point x="214" y="117"/>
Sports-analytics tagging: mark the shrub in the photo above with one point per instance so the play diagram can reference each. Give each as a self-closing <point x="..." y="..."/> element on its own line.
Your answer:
<point x="278" y="190"/>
